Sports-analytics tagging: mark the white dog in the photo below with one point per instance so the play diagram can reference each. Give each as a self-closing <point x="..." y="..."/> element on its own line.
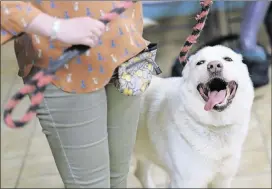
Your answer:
<point x="194" y="126"/>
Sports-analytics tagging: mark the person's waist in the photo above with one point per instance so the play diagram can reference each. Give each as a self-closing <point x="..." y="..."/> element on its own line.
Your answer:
<point x="98" y="55"/>
<point x="107" y="45"/>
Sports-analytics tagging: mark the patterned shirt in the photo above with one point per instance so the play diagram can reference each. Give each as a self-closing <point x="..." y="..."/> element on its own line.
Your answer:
<point x="92" y="71"/>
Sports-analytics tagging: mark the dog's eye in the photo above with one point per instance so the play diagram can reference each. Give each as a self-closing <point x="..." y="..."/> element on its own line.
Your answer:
<point x="228" y="59"/>
<point x="200" y="62"/>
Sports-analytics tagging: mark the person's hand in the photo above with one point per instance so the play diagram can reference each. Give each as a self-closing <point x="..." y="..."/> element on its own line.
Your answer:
<point x="74" y="31"/>
<point x="81" y="30"/>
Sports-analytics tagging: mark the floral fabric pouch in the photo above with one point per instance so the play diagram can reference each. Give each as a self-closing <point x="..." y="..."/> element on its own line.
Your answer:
<point x="134" y="76"/>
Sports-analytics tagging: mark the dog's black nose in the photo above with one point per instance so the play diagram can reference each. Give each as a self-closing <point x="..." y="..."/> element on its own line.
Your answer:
<point x="215" y="67"/>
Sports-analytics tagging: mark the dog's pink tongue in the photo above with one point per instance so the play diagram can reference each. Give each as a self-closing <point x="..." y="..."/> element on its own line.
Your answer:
<point x="215" y="97"/>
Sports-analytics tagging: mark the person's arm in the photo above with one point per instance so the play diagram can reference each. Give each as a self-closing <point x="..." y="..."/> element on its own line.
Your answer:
<point x="17" y="15"/>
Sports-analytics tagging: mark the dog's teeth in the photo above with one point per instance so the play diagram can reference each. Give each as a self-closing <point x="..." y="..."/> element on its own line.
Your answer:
<point x="228" y="92"/>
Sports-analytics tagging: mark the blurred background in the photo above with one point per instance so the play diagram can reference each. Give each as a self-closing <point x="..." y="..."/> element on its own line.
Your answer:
<point x="245" y="26"/>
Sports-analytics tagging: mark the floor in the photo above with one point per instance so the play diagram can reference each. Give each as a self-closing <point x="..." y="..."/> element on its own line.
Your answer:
<point x="26" y="160"/>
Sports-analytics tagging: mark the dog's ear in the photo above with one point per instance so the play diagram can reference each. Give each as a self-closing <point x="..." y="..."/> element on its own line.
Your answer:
<point x="191" y="57"/>
<point x="240" y="57"/>
<point x="186" y="67"/>
<point x="243" y="60"/>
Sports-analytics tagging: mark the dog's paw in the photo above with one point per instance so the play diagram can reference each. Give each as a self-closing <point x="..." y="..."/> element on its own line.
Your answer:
<point x="143" y="173"/>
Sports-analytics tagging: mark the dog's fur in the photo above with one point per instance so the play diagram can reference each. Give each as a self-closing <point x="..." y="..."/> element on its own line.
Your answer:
<point x="197" y="148"/>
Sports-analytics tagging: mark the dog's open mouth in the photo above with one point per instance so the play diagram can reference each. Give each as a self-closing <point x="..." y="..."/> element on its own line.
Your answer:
<point x="217" y="93"/>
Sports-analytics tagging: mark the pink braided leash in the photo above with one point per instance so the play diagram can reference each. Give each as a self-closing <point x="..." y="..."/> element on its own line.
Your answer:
<point x="192" y="39"/>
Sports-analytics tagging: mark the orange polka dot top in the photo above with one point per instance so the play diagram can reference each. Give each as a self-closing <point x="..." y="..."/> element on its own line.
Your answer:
<point x="89" y="72"/>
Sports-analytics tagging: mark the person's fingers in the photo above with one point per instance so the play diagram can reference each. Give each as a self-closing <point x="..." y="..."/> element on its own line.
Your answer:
<point x="85" y="31"/>
<point x="93" y="23"/>
<point x="101" y="26"/>
<point x="89" y="42"/>
<point x="95" y="32"/>
<point x="95" y="39"/>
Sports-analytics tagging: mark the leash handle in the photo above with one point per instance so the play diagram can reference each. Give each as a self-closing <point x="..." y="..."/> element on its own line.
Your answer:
<point x="36" y="86"/>
<point x="197" y="29"/>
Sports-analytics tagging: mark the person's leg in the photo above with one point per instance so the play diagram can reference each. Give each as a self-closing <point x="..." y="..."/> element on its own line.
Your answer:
<point x="255" y="56"/>
<point x="253" y="17"/>
<point x="268" y="23"/>
<point x="123" y="116"/>
<point x="76" y="128"/>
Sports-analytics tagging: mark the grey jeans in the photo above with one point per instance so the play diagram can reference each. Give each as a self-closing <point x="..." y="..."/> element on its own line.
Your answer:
<point x="91" y="135"/>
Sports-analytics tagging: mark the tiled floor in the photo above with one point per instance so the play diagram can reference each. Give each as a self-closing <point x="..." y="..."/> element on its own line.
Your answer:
<point x="26" y="160"/>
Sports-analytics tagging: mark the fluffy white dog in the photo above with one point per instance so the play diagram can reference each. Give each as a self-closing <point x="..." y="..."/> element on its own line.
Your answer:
<point x="194" y="126"/>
